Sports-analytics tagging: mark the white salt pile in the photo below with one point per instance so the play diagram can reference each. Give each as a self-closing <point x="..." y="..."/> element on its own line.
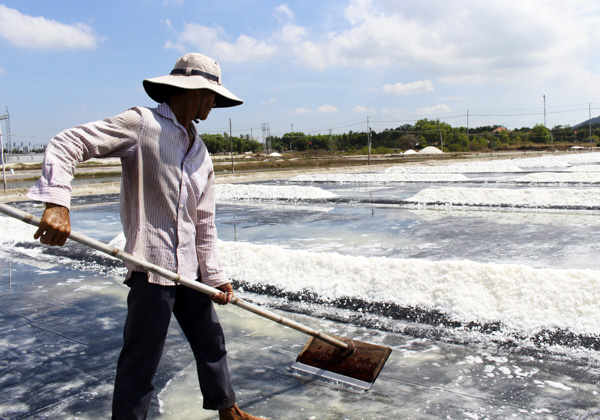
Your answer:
<point x="380" y="178"/>
<point x="430" y="150"/>
<point x="517" y="295"/>
<point x="234" y="192"/>
<point x="535" y="198"/>
<point x="583" y="177"/>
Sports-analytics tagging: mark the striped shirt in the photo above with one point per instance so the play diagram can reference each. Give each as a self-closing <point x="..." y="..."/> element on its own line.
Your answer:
<point x="167" y="191"/>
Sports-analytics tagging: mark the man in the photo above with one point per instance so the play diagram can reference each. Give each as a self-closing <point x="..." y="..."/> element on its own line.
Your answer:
<point x="167" y="212"/>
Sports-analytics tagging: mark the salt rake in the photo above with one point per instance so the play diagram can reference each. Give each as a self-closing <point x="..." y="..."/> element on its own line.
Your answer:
<point x="352" y="362"/>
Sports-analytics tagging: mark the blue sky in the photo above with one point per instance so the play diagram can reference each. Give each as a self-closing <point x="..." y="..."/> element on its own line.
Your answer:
<point x="314" y="66"/>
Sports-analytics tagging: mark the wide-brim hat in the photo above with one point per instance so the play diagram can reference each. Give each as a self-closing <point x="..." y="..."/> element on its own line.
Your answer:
<point x="192" y="71"/>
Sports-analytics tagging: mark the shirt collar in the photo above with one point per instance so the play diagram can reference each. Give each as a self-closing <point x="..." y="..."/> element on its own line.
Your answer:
<point x="165" y="110"/>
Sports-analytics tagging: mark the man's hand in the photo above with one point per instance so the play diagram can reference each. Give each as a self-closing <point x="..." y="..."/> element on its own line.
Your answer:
<point x="225" y="296"/>
<point x="55" y="226"/>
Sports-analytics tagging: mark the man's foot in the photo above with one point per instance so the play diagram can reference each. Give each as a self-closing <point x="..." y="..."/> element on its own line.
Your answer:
<point x="234" y="413"/>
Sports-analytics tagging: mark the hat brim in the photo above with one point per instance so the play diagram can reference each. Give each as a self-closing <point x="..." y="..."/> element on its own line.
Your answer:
<point x="159" y="89"/>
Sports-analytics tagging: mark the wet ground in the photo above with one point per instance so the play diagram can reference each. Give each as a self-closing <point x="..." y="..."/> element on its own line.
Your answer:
<point x="62" y="313"/>
<point x="60" y="335"/>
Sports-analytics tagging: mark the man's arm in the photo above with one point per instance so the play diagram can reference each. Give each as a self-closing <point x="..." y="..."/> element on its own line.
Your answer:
<point x="111" y="137"/>
<point x="55" y="226"/>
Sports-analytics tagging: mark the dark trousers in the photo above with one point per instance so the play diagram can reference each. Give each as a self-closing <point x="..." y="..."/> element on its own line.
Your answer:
<point x="149" y="313"/>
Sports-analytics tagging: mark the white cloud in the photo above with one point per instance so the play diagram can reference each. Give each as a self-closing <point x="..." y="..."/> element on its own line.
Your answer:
<point x="358" y="10"/>
<point x="413" y="88"/>
<point x="211" y="41"/>
<point x="39" y="33"/>
<point x="364" y="110"/>
<point x="393" y="112"/>
<point x="283" y="11"/>
<point x="469" y="42"/>
<point x="302" y="111"/>
<point x="437" y="109"/>
<point x="451" y="98"/>
<point x="175" y="46"/>
<point x="270" y="101"/>
<point x="323" y="109"/>
<point x="327" y="109"/>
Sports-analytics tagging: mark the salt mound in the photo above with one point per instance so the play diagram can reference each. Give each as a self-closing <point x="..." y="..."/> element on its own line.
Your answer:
<point x="236" y="192"/>
<point x="410" y="152"/>
<point x="430" y="150"/>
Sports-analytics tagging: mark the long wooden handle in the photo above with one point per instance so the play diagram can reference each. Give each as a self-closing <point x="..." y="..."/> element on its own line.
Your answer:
<point x="193" y="284"/>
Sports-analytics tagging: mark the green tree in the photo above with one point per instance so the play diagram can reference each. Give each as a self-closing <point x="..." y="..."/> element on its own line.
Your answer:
<point x="215" y="143"/>
<point x="407" y="141"/>
<point x="288" y="139"/>
<point x="539" y="134"/>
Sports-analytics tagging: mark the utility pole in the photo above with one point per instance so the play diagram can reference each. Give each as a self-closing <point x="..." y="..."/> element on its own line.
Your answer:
<point x="7" y="118"/>
<point x="266" y="130"/>
<point x="369" y="140"/>
<point x="330" y="145"/>
<point x="7" y="125"/>
<point x="2" y="154"/>
<point x="590" y="122"/>
<point x="545" y="126"/>
<point x="231" y="145"/>
<point x="545" y="111"/>
<point x="441" y="138"/>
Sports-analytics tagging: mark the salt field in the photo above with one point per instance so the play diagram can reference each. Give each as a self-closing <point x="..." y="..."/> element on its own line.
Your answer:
<point x="524" y="261"/>
<point x="482" y="276"/>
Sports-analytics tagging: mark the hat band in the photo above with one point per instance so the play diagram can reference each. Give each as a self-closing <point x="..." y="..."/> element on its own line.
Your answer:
<point x="194" y="72"/>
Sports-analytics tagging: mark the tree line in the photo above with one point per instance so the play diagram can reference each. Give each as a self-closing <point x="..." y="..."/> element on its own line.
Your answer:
<point x="423" y="133"/>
